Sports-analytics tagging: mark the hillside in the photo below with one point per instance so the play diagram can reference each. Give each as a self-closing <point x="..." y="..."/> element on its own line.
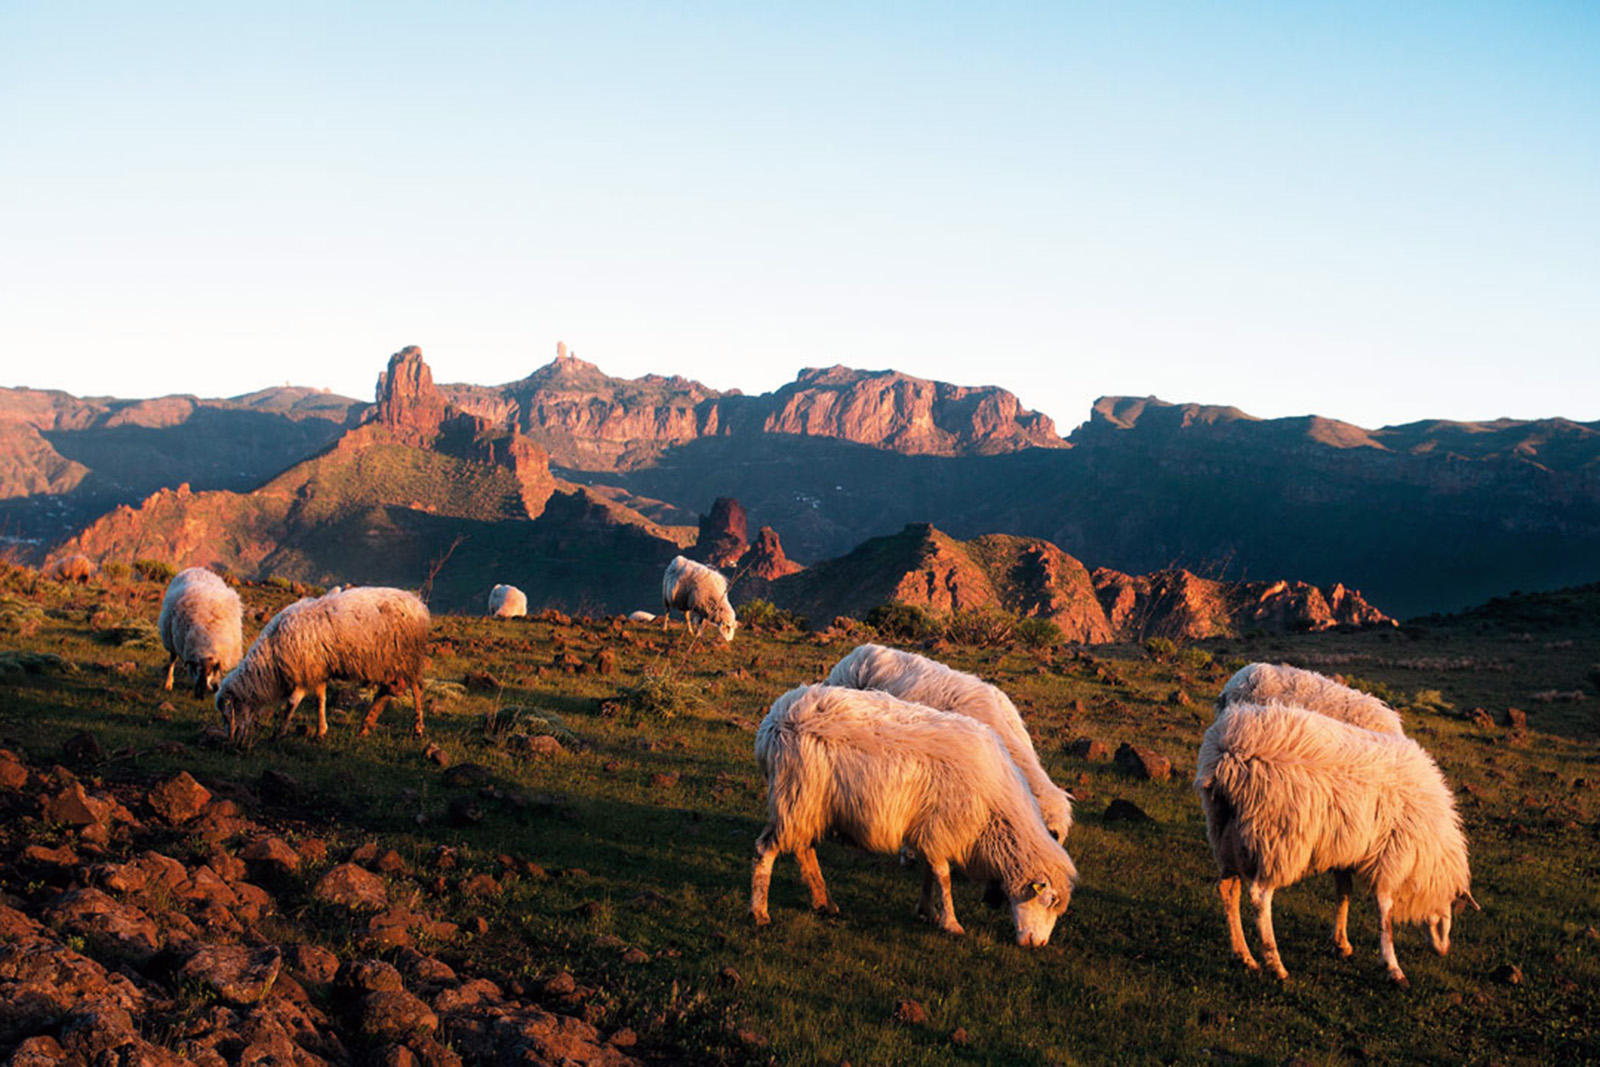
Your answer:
<point x="567" y="873"/>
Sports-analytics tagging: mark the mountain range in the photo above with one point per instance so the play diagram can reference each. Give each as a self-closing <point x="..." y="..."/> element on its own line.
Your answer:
<point x="1423" y="517"/>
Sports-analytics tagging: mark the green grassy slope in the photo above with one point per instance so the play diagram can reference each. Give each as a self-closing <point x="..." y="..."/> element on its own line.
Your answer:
<point x="644" y="830"/>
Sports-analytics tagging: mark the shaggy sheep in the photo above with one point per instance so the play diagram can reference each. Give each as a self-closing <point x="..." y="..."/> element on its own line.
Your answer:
<point x="200" y="626"/>
<point x="375" y="636"/>
<point x="507" y="602"/>
<point x="1288" y="792"/>
<point x="77" y="568"/>
<point x="700" y="593"/>
<point x="641" y="616"/>
<point x="925" y="681"/>
<point x="1269" y="683"/>
<point x="885" y="773"/>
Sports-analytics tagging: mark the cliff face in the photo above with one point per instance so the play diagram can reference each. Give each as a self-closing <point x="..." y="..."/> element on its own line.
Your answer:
<point x="1033" y="578"/>
<point x="592" y="421"/>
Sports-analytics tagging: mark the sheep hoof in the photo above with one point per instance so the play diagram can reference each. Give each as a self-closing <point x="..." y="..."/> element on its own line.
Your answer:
<point x="1283" y="975"/>
<point x="1345" y="950"/>
<point x="1400" y="980"/>
<point x="830" y="908"/>
<point x="761" y="918"/>
<point x="955" y="929"/>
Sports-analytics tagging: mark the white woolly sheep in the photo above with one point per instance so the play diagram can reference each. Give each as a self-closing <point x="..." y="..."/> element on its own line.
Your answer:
<point x="372" y="635"/>
<point x="201" y="627"/>
<point x="641" y="616"/>
<point x="925" y="681"/>
<point x="1279" y="683"/>
<point x="507" y="602"/>
<point x="885" y="773"/>
<point x="1267" y="683"/>
<point x="1288" y="792"/>
<point x="700" y="593"/>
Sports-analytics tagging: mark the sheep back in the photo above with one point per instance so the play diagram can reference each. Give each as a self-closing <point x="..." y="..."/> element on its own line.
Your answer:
<point x="1266" y="683"/>
<point x="201" y="620"/>
<point x="507" y="602"/>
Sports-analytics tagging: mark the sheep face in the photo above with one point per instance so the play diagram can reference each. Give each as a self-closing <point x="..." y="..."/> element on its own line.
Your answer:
<point x="1035" y="913"/>
<point x="206" y="675"/>
<point x="238" y="715"/>
<point x="727" y="629"/>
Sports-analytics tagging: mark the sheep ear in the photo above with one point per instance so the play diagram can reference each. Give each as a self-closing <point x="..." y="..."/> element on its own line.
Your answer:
<point x="1036" y="888"/>
<point x="1463" y="900"/>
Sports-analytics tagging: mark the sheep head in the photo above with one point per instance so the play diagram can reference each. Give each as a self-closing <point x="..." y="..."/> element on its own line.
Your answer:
<point x="1035" y="911"/>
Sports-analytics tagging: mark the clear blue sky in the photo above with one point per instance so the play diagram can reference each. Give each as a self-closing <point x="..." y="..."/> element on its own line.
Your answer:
<point x="1376" y="212"/>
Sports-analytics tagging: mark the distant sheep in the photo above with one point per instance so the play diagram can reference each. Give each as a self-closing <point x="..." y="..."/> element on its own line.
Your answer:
<point x="641" y="616"/>
<point x="1267" y="683"/>
<point x="507" y="602"/>
<point x="885" y="773"/>
<point x="1279" y="683"/>
<point x="700" y="593"/>
<point x="1289" y="792"/>
<point x="201" y="627"/>
<point x="925" y="681"/>
<point x="77" y="568"/>
<point x="371" y="635"/>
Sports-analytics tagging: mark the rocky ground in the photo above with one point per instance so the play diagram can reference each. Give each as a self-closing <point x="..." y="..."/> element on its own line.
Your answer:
<point x="168" y="925"/>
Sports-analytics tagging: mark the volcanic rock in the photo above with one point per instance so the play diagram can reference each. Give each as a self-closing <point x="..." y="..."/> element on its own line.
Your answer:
<point x="724" y="534"/>
<point x="238" y="974"/>
<point x="1143" y="762"/>
<point x="178" y="799"/>
<point x="353" y="887"/>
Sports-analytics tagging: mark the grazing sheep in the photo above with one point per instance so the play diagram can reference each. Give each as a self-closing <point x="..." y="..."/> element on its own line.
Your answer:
<point x="885" y="773"/>
<point x="78" y="568"/>
<point x="507" y="602"/>
<point x="1288" y="792"/>
<point x="641" y="616"/>
<point x="372" y="635"/>
<point x="1269" y="683"/>
<point x="200" y="626"/>
<point x="698" y="592"/>
<point x="1266" y="683"/>
<point x="925" y="681"/>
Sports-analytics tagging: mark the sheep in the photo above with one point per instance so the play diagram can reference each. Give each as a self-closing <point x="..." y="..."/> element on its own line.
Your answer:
<point x="925" y="681"/>
<point x="641" y="616"/>
<point x="1267" y="683"/>
<point x="1288" y="792"/>
<point x="372" y="635"/>
<point x="1264" y="683"/>
<point x="507" y="602"/>
<point x="884" y="773"/>
<point x="200" y="624"/>
<point x="698" y="592"/>
<point x="77" y="568"/>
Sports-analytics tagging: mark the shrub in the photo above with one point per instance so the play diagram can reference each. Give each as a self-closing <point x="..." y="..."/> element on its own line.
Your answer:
<point x="499" y="725"/>
<point x="1386" y="693"/>
<point x="114" y="570"/>
<point x="278" y="581"/>
<point x="767" y="615"/>
<point x="1037" y="632"/>
<point x="1160" y="649"/>
<point x="981" y="627"/>
<point x="907" y="622"/>
<point x="155" y="570"/>
<point x="660" y="694"/>
<point x="1195" y="659"/>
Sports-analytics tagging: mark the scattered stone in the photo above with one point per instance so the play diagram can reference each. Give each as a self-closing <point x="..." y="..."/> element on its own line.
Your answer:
<point x="911" y="1013"/>
<point x="664" y="779"/>
<point x="1143" y="762"/>
<point x="280" y="788"/>
<point x="394" y="1015"/>
<point x="353" y="887"/>
<point x="466" y="776"/>
<point x="43" y="856"/>
<point x="76" y="808"/>
<point x="106" y="923"/>
<point x="178" y="799"/>
<point x="365" y="854"/>
<point x="1120" y="810"/>
<point x="271" y="855"/>
<point x="606" y="663"/>
<point x="1088" y="748"/>
<point x="729" y="978"/>
<point x="311" y="964"/>
<point x="391" y="862"/>
<point x="1508" y="974"/>
<point x="369" y="976"/>
<point x="1481" y="719"/>
<point x="481" y="682"/>
<point x="624" y="1038"/>
<point x="1516" y="719"/>
<point x="480" y="885"/>
<point x="751" y="1038"/>
<point x="13" y="774"/>
<point x="635" y="956"/>
<point x="560" y="985"/>
<point x="958" y="1036"/>
<point x="463" y="811"/>
<point x="436" y="755"/>
<point x="238" y="974"/>
<point x="313" y="850"/>
<point x="83" y="747"/>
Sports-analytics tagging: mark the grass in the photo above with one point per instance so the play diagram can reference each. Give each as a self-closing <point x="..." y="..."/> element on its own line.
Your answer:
<point x="644" y="830"/>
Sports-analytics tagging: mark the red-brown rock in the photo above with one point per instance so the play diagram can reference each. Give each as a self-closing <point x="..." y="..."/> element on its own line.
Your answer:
<point x="353" y="887"/>
<point x="238" y="974"/>
<point x="1143" y="762"/>
<point x="178" y="799"/>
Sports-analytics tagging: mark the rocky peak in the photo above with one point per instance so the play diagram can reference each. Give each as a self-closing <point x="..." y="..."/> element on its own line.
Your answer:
<point x="568" y="373"/>
<point x="764" y="559"/>
<point x="724" y="534"/>
<point x="407" y="402"/>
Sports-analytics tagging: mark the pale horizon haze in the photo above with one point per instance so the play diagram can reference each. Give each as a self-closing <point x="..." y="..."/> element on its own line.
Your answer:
<point x="1373" y="212"/>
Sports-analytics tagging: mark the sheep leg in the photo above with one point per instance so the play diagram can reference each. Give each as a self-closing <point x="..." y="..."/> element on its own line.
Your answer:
<point x="1261" y="897"/>
<point x="940" y="869"/>
<point x="812" y="875"/>
<point x="322" y="711"/>
<point x="380" y="700"/>
<point x="288" y="713"/>
<point x="1229" y="889"/>
<point x="1386" y="940"/>
<point x="666" y="615"/>
<point x="766" y="856"/>
<point x="173" y="662"/>
<point x="416" y="704"/>
<point x="1341" y="886"/>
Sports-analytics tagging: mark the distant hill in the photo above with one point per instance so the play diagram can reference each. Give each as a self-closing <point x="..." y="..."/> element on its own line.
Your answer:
<point x="1429" y="516"/>
<point x="926" y="568"/>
